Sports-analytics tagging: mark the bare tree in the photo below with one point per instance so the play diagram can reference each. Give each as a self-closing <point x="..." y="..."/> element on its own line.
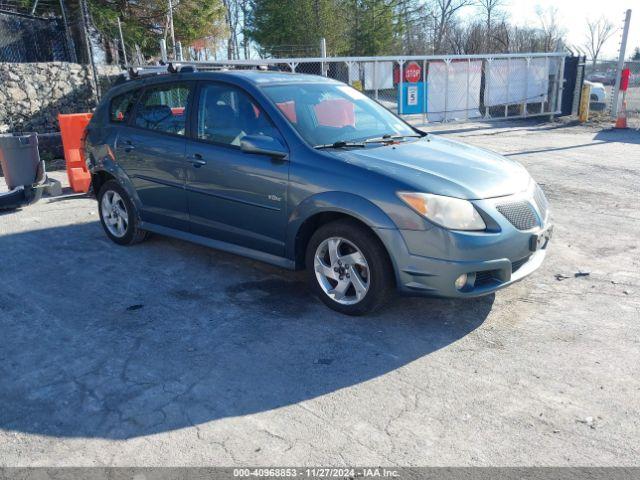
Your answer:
<point x="231" y="19"/>
<point x="414" y="20"/>
<point x="236" y="16"/>
<point x="553" y="34"/>
<point x="443" y="13"/>
<point x="491" y="10"/>
<point x="598" y="32"/>
<point x="245" y="9"/>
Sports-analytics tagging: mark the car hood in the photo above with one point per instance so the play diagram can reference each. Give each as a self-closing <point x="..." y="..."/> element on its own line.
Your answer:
<point x="444" y="167"/>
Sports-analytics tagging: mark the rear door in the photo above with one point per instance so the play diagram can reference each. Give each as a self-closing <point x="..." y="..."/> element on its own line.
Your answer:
<point x="152" y="151"/>
<point x="234" y="196"/>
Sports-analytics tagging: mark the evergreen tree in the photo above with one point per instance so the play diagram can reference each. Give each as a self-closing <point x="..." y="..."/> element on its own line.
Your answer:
<point x="373" y="28"/>
<point x="286" y="27"/>
<point x="145" y="23"/>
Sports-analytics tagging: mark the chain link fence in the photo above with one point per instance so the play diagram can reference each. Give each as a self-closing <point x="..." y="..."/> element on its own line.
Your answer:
<point x="632" y="96"/>
<point x="601" y="76"/>
<point x="26" y="38"/>
<point x="438" y="88"/>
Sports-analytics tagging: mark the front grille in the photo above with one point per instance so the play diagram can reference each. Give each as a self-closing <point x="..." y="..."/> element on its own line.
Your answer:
<point x="541" y="202"/>
<point x="515" y="266"/>
<point x="519" y="213"/>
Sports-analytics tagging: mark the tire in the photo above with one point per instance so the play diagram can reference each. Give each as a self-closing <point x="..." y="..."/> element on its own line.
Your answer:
<point x="130" y="233"/>
<point x="327" y="275"/>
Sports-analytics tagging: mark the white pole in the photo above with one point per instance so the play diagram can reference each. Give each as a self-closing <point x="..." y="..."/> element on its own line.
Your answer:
<point x="139" y="55"/>
<point x="375" y="77"/>
<point x="124" y="49"/>
<point x="163" y="50"/>
<point x="526" y="88"/>
<point x="173" y="33"/>
<point x="323" y="54"/>
<point x="446" y="91"/>
<point x="466" y="96"/>
<point x="560" y="86"/>
<point x="623" y="47"/>
<point x="400" y="97"/>
<point x="506" y="86"/>
<point x="424" y="91"/>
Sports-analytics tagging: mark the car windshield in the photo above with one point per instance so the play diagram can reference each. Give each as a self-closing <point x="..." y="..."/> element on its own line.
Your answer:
<point x="330" y="114"/>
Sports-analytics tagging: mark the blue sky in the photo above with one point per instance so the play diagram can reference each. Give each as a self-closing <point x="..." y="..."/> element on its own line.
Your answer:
<point x="572" y="15"/>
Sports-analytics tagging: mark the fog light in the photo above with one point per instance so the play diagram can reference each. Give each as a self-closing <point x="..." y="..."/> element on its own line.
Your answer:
<point x="461" y="281"/>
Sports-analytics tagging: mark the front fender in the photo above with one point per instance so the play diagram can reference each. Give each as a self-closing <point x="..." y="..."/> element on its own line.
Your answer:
<point x="334" y="202"/>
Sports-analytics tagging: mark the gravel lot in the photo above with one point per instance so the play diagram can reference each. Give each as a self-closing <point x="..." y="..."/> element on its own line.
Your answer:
<point x="168" y="353"/>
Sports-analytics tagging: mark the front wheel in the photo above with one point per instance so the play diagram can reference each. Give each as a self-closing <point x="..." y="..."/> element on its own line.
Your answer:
<point x="348" y="268"/>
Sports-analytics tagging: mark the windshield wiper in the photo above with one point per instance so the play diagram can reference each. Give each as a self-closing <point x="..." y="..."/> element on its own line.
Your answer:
<point x="387" y="138"/>
<point x="340" y="144"/>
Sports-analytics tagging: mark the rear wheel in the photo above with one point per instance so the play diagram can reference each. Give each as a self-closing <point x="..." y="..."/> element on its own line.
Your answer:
<point x="118" y="215"/>
<point x="348" y="268"/>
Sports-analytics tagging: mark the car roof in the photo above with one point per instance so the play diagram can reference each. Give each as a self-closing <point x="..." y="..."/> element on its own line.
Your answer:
<point x="263" y="77"/>
<point x="256" y="78"/>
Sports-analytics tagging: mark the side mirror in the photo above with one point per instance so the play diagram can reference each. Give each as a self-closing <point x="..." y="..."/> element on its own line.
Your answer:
<point x="263" y="145"/>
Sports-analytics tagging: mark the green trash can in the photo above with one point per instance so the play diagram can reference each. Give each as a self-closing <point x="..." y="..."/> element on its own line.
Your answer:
<point x="20" y="159"/>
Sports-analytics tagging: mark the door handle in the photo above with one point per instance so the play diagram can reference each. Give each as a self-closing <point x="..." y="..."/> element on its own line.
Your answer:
<point x="128" y="145"/>
<point x="197" y="161"/>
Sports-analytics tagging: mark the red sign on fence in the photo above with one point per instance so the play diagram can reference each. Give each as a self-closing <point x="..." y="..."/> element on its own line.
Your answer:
<point x="624" y="79"/>
<point x="412" y="72"/>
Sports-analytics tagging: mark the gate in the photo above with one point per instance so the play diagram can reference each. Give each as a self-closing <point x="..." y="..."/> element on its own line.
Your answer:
<point x="440" y="88"/>
<point x="572" y="85"/>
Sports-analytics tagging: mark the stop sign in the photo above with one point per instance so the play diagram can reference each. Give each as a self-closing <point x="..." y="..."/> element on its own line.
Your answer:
<point x="412" y="72"/>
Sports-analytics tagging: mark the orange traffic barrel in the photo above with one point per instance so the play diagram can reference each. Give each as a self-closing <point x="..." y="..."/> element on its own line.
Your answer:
<point x="72" y="128"/>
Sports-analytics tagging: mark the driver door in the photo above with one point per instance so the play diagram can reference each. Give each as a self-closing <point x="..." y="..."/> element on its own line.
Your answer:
<point x="233" y="196"/>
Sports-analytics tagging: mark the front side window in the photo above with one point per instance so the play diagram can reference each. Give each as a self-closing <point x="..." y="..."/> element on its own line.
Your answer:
<point x="163" y="109"/>
<point x="121" y="106"/>
<point x="227" y="114"/>
<point x="326" y="113"/>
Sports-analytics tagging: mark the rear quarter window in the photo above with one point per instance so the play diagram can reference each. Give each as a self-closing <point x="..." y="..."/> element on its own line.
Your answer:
<point x="121" y="107"/>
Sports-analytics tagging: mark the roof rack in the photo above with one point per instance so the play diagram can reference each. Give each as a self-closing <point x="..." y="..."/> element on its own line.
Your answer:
<point x="170" y="68"/>
<point x="134" y="73"/>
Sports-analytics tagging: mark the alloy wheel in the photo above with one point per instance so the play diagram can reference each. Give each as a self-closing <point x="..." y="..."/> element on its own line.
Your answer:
<point x="114" y="213"/>
<point x="342" y="270"/>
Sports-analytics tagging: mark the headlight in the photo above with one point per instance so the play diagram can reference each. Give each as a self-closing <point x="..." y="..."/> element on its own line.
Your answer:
<point x="449" y="212"/>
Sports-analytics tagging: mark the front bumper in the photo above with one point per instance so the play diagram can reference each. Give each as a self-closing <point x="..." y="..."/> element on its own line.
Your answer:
<point x="420" y="275"/>
<point x="428" y="262"/>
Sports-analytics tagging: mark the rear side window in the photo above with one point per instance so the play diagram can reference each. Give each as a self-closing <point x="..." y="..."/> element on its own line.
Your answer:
<point x="163" y="109"/>
<point x="121" y="107"/>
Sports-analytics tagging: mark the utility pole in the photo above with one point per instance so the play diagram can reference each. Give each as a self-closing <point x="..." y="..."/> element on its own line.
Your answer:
<point x="623" y="48"/>
<point x="173" y="34"/>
